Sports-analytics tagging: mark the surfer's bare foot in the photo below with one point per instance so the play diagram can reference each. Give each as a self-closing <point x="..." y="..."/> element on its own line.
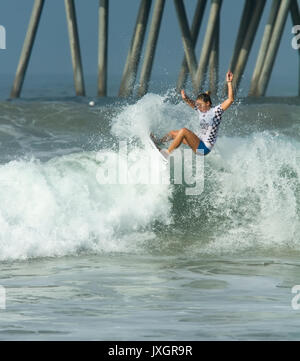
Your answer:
<point x="166" y="138"/>
<point x="152" y="135"/>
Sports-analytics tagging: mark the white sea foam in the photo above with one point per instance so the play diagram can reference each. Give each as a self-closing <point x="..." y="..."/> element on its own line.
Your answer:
<point x="59" y="208"/>
<point x="257" y="194"/>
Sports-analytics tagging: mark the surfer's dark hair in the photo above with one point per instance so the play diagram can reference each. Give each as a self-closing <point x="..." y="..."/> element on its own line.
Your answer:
<point x="205" y="97"/>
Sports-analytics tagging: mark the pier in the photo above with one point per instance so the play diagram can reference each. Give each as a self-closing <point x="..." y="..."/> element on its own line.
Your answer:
<point x="145" y="36"/>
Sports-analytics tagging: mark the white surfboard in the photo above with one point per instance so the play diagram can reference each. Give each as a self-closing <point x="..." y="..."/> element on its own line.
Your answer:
<point x="154" y="146"/>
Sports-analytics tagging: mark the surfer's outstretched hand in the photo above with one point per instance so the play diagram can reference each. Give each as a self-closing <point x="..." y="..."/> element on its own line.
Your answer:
<point x="229" y="76"/>
<point x="183" y="95"/>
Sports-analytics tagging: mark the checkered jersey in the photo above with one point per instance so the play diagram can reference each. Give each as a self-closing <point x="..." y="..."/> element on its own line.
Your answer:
<point x="209" y="125"/>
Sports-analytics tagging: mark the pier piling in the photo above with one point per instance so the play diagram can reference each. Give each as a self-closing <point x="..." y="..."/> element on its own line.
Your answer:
<point x="133" y="58"/>
<point x="102" y="47"/>
<point x="264" y="46"/>
<point x="214" y="60"/>
<point x="273" y="47"/>
<point x="248" y="41"/>
<point x="151" y="47"/>
<point x="188" y="44"/>
<point x="197" y="20"/>
<point x="244" y="24"/>
<point x="74" y="47"/>
<point x="27" y="48"/>
<point x="208" y="41"/>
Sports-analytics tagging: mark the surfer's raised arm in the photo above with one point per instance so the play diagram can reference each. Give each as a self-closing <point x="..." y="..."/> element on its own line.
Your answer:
<point x="226" y="104"/>
<point x="189" y="101"/>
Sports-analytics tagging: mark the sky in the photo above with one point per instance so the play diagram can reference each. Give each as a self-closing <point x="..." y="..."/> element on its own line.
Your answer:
<point x="51" y="52"/>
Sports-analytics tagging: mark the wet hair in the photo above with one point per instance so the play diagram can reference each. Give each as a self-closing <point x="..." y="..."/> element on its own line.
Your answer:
<point x="205" y="97"/>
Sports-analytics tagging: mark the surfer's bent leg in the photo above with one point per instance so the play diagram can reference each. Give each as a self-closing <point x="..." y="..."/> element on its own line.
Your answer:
<point x="171" y="135"/>
<point x="186" y="136"/>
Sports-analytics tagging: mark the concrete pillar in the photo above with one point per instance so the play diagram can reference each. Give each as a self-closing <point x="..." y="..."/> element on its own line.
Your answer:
<point x="27" y="48"/>
<point x="244" y="24"/>
<point x="151" y="47"/>
<point x="102" y="48"/>
<point x="133" y="58"/>
<point x="74" y="47"/>
<point x="198" y="16"/>
<point x="273" y="47"/>
<point x="248" y="41"/>
<point x="188" y="44"/>
<point x="264" y="46"/>
<point x="208" y="41"/>
<point x="214" y="61"/>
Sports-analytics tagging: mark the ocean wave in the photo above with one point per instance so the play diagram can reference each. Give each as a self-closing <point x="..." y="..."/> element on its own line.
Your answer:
<point x="250" y="199"/>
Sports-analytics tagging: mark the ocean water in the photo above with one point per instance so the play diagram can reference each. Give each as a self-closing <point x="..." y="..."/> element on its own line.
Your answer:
<point x="81" y="259"/>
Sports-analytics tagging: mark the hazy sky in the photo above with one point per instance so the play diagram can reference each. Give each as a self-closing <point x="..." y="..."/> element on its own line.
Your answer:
<point x="51" y="53"/>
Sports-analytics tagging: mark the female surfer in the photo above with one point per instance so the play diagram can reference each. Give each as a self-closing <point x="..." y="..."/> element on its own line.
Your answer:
<point x="209" y="118"/>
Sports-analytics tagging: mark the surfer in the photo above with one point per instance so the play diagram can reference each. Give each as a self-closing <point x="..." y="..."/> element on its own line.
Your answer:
<point x="209" y="117"/>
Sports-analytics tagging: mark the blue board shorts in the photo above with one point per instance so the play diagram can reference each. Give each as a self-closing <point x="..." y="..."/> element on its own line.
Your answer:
<point x="202" y="148"/>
